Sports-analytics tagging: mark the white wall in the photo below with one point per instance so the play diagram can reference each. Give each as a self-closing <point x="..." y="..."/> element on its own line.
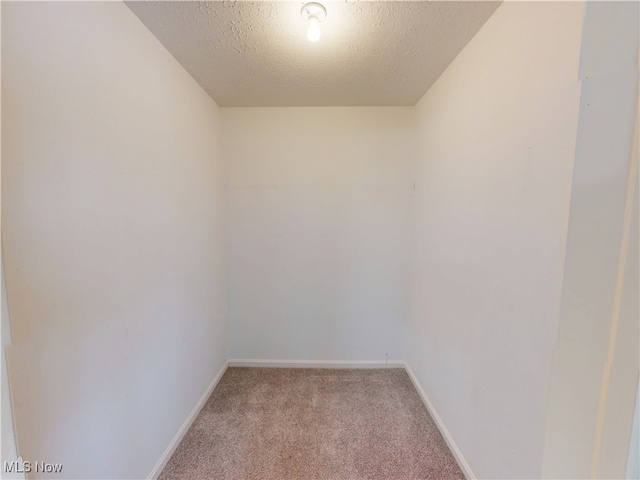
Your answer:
<point x="633" y="453"/>
<point x="112" y="234"/>
<point x="497" y="133"/>
<point x="8" y="448"/>
<point x="319" y="210"/>
<point x="596" y="360"/>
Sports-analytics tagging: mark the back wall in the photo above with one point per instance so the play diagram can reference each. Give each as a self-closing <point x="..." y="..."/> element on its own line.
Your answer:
<point x="318" y="230"/>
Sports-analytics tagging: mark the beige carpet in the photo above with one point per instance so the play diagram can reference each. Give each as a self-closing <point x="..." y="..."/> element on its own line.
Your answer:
<point x="280" y="424"/>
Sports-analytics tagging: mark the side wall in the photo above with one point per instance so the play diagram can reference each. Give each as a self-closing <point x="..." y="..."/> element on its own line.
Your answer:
<point x="595" y="372"/>
<point x="319" y="209"/>
<point x="112" y="216"/>
<point x="498" y="136"/>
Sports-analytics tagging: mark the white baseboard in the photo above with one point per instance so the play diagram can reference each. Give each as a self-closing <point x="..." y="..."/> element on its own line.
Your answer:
<point x="241" y="362"/>
<point x="464" y="466"/>
<point x="166" y="455"/>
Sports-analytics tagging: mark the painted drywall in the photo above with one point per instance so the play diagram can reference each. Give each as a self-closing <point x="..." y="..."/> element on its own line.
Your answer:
<point x="633" y="455"/>
<point x="8" y="448"/>
<point x="497" y="136"/>
<point x="596" y="359"/>
<point x="112" y="214"/>
<point x="319" y="220"/>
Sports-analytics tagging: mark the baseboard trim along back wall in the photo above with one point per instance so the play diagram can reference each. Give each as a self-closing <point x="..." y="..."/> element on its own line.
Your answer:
<point x="240" y="362"/>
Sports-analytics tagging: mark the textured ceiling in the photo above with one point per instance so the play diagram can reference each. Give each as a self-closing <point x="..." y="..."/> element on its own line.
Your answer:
<point x="370" y="53"/>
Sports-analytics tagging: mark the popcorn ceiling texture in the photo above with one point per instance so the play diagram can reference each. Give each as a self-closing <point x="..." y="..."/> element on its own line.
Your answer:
<point x="370" y="53"/>
<point x="285" y="424"/>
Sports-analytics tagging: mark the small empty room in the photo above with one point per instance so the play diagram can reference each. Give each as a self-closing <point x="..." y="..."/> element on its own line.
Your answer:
<point x="334" y="240"/>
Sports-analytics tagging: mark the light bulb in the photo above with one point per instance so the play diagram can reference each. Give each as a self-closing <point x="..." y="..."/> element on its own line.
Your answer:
<point x="313" y="32"/>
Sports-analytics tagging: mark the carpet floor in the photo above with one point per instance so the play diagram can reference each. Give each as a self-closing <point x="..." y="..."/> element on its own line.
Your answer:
<point x="329" y="424"/>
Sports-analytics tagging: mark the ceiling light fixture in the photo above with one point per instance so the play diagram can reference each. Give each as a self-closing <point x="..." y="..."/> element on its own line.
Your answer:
<point x="314" y="13"/>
